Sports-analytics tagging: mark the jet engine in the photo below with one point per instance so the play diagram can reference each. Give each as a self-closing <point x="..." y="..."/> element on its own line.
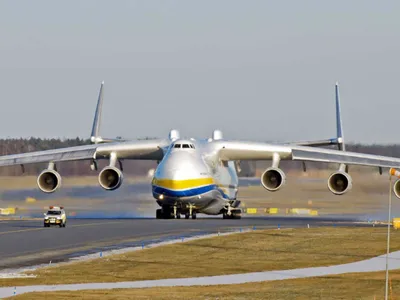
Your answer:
<point x="339" y="183"/>
<point x="110" y="178"/>
<point x="396" y="188"/>
<point x="48" y="181"/>
<point x="273" y="179"/>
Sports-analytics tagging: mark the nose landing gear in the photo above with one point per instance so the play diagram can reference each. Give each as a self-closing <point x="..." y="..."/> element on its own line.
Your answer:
<point x="232" y="213"/>
<point x="174" y="212"/>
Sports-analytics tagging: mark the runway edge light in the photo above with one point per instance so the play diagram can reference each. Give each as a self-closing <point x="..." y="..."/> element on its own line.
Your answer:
<point x="394" y="172"/>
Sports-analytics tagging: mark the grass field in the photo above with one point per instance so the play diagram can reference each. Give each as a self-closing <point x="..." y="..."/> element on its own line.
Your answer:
<point x="259" y="250"/>
<point x="368" y="286"/>
<point x="369" y="195"/>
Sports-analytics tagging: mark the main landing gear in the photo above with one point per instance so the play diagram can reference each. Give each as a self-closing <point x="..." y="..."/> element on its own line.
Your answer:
<point x="172" y="212"/>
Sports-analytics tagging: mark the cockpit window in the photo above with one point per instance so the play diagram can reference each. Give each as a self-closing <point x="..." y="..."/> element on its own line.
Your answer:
<point x="185" y="146"/>
<point x="177" y="145"/>
<point x="191" y="146"/>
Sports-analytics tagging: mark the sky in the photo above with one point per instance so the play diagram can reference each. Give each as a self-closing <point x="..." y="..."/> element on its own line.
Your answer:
<point x="256" y="70"/>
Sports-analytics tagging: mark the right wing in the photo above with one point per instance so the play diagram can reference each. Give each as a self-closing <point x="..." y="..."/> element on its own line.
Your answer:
<point x="144" y="149"/>
<point x="242" y="150"/>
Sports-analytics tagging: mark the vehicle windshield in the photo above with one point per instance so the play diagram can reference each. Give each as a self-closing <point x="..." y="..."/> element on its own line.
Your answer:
<point x="52" y="212"/>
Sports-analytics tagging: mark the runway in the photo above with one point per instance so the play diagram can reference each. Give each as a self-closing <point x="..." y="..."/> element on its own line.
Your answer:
<point x="25" y="243"/>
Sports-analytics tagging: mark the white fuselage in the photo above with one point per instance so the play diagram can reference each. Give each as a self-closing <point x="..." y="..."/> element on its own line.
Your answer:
<point x="190" y="174"/>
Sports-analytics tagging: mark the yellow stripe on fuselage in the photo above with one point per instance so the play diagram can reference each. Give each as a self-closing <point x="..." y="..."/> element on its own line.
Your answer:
<point x="182" y="184"/>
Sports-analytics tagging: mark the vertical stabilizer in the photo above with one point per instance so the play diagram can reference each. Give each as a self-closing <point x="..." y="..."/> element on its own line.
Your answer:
<point x="339" y="128"/>
<point x="339" y="124"/>
<point x="95" y="137"/>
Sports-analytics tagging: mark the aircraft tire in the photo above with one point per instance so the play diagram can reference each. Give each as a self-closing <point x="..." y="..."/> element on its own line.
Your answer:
<point x="194" y="215"/>
<point x="187" y="216"/>
<point x="167" y="213"/>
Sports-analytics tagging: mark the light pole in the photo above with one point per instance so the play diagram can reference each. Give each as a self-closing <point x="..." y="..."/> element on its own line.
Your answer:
<point x="388" y="235"/>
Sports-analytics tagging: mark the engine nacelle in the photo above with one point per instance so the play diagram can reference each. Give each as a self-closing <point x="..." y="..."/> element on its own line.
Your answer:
<point x="339" y="183"/>
<point x="48" y="181"/>
<point x="110" y="178"/>
<point x="396" y="188"/>
<point x="273" y="179"/>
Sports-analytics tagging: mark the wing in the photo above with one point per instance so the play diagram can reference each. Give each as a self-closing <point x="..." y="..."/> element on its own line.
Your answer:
<point x="238" y="150"/>
<point x="145" y="149"/>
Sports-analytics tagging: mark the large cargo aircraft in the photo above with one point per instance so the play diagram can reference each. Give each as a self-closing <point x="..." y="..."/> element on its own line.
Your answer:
<point x="199" y="175"/>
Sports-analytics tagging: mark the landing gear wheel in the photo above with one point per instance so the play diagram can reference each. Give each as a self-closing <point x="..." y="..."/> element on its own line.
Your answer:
<point x="187" y="215"/>
<point x="178" y="215"/>
<point x="167" y="213"/>
<point x="237" y="216"/>
<point x="194" y="215"/>
<point x="159" y="214"/>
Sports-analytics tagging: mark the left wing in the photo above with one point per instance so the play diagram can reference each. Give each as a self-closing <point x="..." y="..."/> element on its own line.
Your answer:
<point x="144" y="149"/>
<point x="55" y="155"/>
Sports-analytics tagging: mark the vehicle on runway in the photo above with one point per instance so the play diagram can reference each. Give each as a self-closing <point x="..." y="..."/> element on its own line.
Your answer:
<point x="200" y="175"/>
<point x="55" y="216"/>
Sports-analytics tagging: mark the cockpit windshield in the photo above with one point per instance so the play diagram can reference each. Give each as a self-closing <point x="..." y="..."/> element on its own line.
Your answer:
<point x="184" y="145"/>
<point x="54" y="212"/>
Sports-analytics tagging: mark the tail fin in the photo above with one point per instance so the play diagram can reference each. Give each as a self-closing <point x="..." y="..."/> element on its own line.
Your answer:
<point x="95" y="137"/>
<point x="339" y="128"/>
<point x="338" y="140"/>
<point x="339" y="124"/>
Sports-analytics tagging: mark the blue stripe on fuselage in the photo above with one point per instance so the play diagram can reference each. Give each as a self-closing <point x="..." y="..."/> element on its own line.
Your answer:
<point x="185" y="193"/>
<point x="189" y="192"/>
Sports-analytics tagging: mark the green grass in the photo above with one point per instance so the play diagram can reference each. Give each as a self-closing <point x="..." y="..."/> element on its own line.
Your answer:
<point x="260" y="250"/>
<point x="368" y="286"/>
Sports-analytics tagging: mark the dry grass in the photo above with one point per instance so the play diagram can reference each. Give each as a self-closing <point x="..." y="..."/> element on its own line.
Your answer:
<point x="239" y="253"/>
<point x="350" y="286"/>
<point x="368" y="196"/>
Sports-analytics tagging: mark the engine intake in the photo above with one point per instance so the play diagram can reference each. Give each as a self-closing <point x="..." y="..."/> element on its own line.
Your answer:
<point x="339" y="183"/>
<point x="110" y="178"/>
<point x="48" y="181"/>
<point x="273" y="179"/>
<point x="396" y="188"/>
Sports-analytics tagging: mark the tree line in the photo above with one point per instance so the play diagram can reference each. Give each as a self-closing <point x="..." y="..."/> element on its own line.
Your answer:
<point x="140" y="167"/>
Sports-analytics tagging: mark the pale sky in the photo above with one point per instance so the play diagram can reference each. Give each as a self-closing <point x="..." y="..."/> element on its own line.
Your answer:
<point x="257" y="70"/>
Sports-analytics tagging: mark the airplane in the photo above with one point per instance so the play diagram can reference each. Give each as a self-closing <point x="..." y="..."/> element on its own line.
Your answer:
<point x="199" y="175"/>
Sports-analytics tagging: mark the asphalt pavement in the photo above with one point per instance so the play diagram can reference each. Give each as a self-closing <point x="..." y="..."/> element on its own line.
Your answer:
<point x="27" y="242"/>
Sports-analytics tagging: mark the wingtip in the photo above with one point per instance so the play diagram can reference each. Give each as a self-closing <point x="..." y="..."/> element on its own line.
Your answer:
<point x="337" y="83"/>
<point x="102" y="82"/>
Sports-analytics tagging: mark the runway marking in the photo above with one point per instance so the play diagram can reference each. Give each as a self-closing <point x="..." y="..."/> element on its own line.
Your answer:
<point x="43" y="228"/>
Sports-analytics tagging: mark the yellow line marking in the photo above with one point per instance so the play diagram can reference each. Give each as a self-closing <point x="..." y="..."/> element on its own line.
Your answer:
<point x="42" y="228"/>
